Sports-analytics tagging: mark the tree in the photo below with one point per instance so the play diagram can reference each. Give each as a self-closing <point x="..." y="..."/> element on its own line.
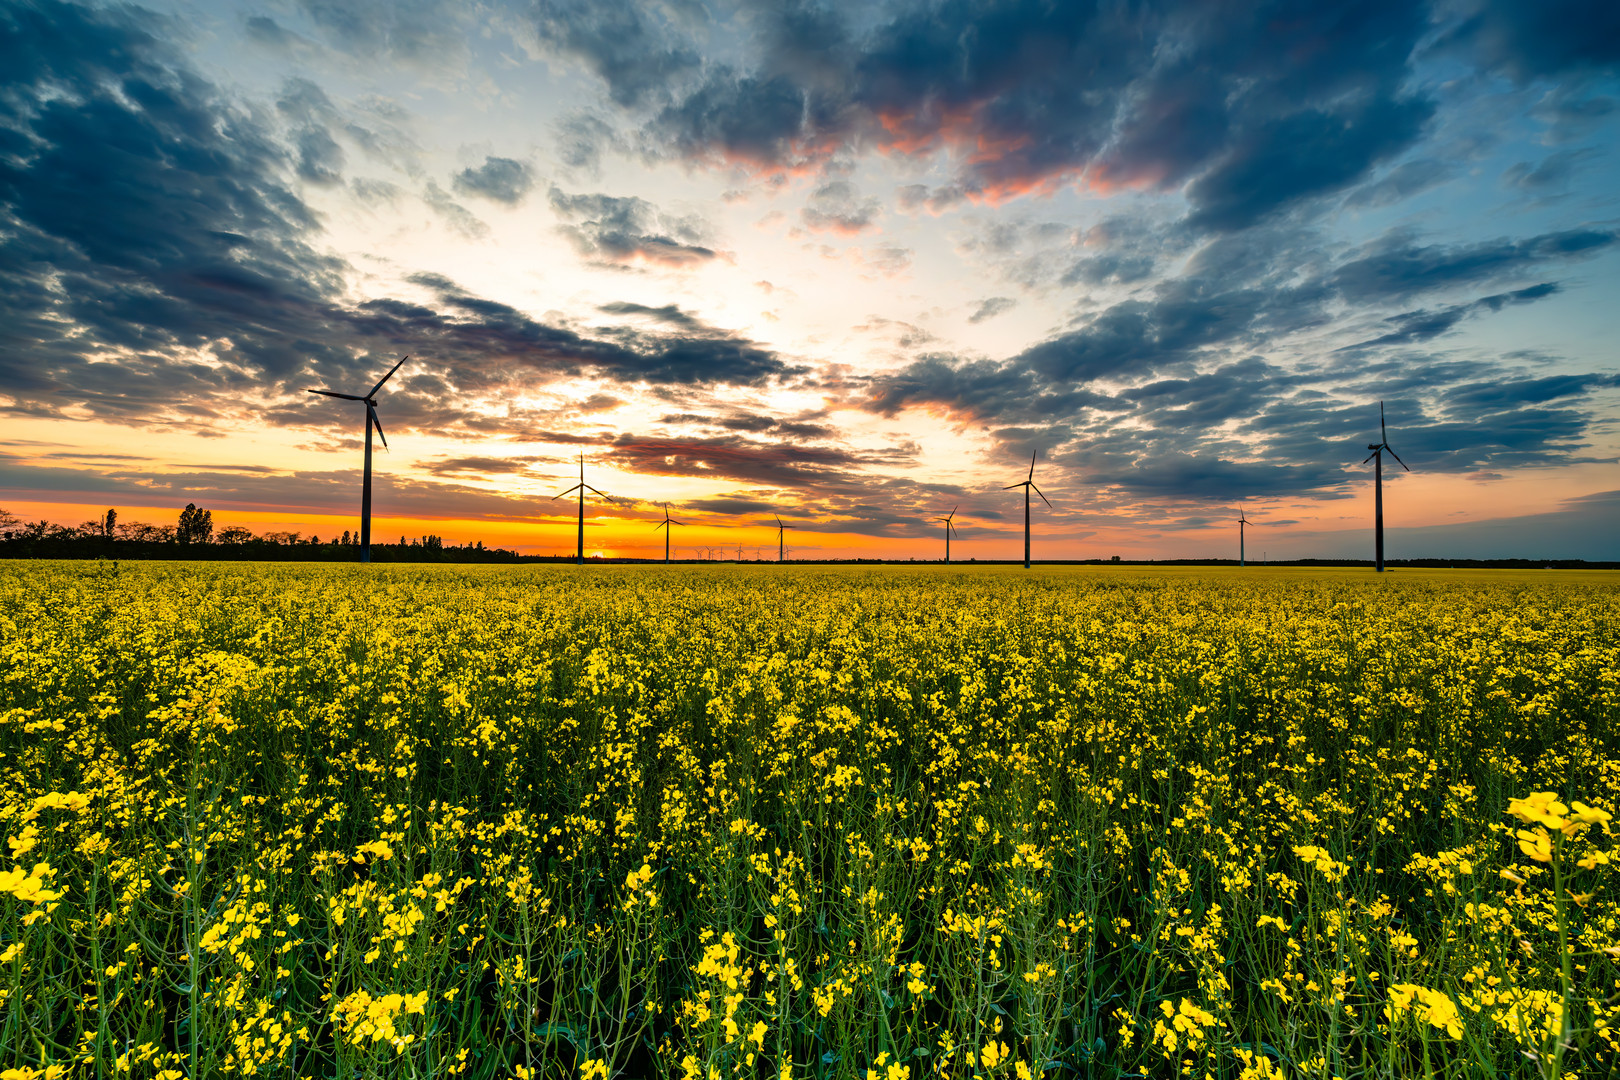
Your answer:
<point x="8" y="521"/>
<point x="196" y="526"/>
<point x="233" y="534"/>
<point x="109" y="522"/>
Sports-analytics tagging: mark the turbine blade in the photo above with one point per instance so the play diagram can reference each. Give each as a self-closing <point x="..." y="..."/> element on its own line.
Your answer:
<point x="390" y="375"/>
<point x="1397" y="457"/>
<point x="1009" y="487"/>
<point x="334" y="393"/>
<point x="1372" y="455"/>
<point x="1043" y="497"/>
<point x="1031" y="465"/>
<point x="604" y="494"/>
<point x="375" y="419"/>
<point x="1383" y="433"/>
<point x="672" y="521"/>
<point x="570" y="491"/>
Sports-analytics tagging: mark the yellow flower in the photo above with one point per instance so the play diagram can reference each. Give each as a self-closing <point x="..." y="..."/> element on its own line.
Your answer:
<point x="1537" y="845"/>
<point x="1588" y="815"/>
<point x="29" y="887"/>
<point x="1542" y="808"/>
<point x="1437" y="1008"/>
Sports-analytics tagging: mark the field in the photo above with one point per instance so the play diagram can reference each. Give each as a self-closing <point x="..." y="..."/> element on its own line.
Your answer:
<point x="892" y="823"/>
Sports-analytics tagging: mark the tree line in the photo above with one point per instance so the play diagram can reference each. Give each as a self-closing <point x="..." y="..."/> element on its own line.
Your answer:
<point x="194" y="537"/>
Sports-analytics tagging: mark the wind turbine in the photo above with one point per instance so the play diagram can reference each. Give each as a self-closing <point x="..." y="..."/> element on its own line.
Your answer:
<point x="1377" y="458"/>
<point x="665" y="525"/>
<point x="1242" y="521"/>
<point x="582" y="487"/>
<point x="1028" y="484"/>
<point x="781" y="552"/>
<point x="949" y="528"/>
<point x="371" y="421"/>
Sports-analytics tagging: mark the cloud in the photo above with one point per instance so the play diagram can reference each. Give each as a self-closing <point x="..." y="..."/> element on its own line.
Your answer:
<point x="1415" y="326"/>
<point x="1405" y="180"/>
<point x="160" y="267"/>
<point x="1164" y="394"/>
<point x="455" y="215"/>
<point x="1259" y="109"/>
<point x="499" y="179"/>
<point x="629" y="231"/>
<point x="837" y="207"/>
<point x="1296" y="156"/>
<point x="1530" y="39"/>
<point x="426" y="34"/>
<point x="628" y="45"/>
<point x="330" y="492"/>
<point x="1553" y="171"/>
<point x="784" y="466"/>
<point x="1395" y="266"/>
<point x="989" y="309"/>
<point x="145" y="215"/>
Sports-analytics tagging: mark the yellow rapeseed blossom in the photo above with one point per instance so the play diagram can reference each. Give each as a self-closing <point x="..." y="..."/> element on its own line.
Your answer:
<point x="716" y="822"/>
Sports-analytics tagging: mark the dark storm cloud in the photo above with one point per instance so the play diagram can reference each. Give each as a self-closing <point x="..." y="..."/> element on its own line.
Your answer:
<point x="1415" y="326"/>
<point x="151" y="220"/>
<point x="144" y="213"/>
<point x="628" y="45"/>
<point x="1306" y="153"/>
<point x="778" y="465"/>
<point x="500" y="179"/>
<point x="630" y="230"/>
<point x="1527" y="39"/>
<point x="1157" y="396"/>
<point x="1264" y="106"/>
<point x="1397" y="266"/>
<point x="471" y="335"/>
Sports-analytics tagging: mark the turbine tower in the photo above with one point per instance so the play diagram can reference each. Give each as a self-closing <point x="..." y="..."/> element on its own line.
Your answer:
<point x="1028" y="484"/>
<point x="371" y="422"/>
<point x="1377" y="458"/>
<point x="582" y="487"/>
<point x="949" y="528"/>
<point x="780" y="529"/>
<point x="665" y="525"/>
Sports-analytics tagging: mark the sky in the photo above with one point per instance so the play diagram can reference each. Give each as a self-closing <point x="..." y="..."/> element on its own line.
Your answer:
<point x="851" y="264"/>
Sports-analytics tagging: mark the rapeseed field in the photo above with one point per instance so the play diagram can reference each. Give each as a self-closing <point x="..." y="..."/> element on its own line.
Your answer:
<point x="885" y="824"/>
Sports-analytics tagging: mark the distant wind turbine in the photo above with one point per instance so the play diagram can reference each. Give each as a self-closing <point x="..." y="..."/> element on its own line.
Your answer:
<point x="949" y="528"/>
<point x="665" y="525"/>
<point x="371" y="422"/>
<point x="1028" y="484"/>
<point x="1377" y="458"/>
<point x="1242" y="521"/>
<point x="781" y="551"/>
<point x="582" y="487"/>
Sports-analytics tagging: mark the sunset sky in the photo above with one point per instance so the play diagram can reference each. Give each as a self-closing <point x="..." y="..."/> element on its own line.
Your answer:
<point x="849" y="263"/>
